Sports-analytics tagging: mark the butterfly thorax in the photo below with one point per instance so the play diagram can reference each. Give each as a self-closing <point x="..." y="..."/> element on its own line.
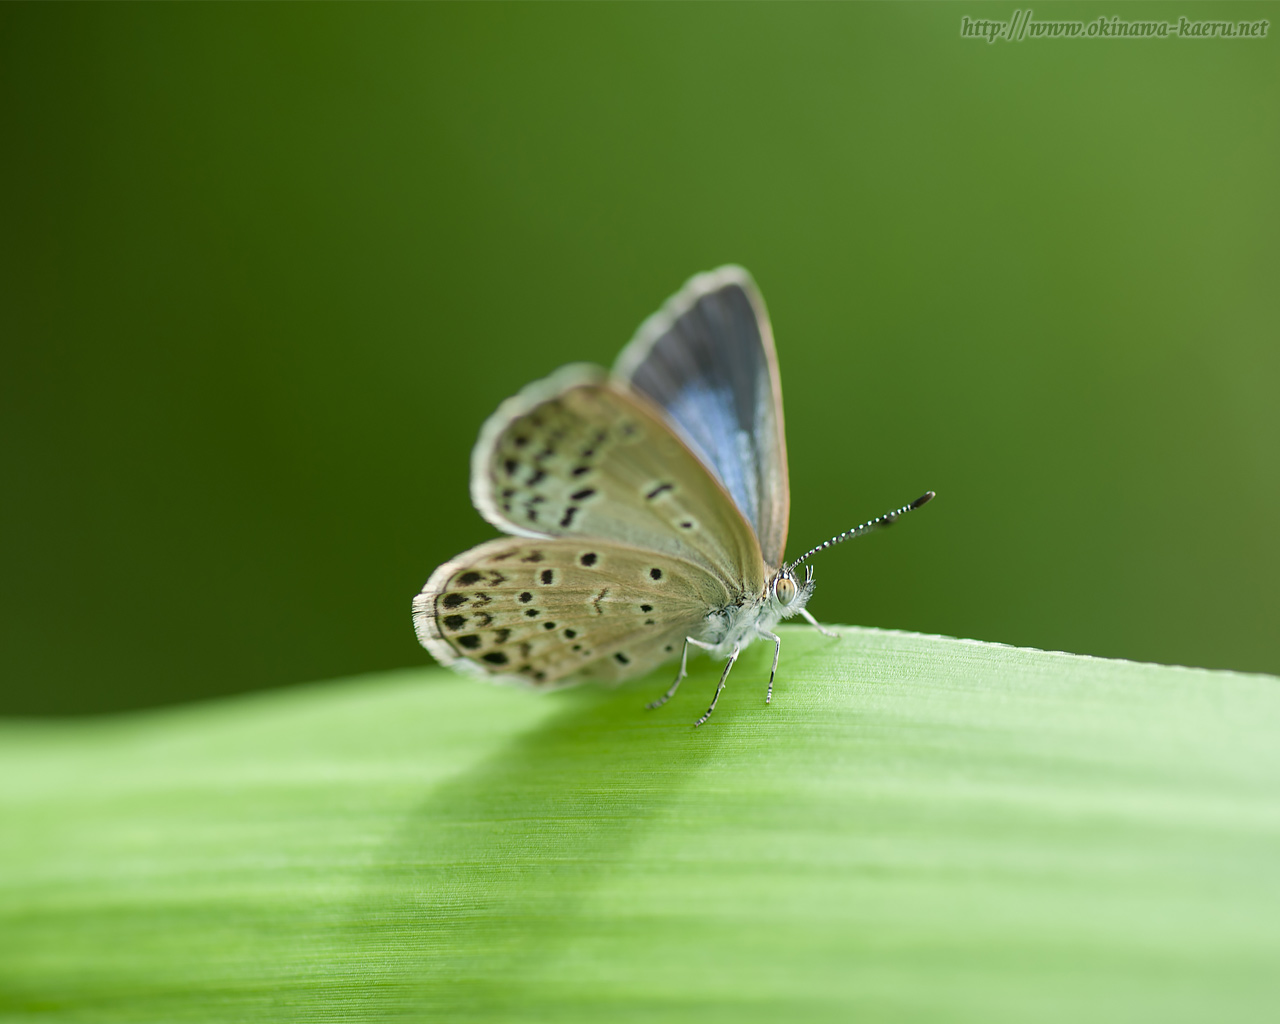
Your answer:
<point x="737" y="625"/>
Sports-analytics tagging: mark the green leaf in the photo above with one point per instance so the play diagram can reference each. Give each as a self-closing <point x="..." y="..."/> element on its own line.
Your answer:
<point x="917" y="829"/>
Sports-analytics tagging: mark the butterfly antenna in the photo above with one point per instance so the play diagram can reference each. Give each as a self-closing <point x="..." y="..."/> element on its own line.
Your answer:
<point x="888" y="519"/>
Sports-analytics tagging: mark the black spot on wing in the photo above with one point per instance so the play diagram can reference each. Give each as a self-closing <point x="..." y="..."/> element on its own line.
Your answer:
<point x="660" y="489"/>
<point x="526" y="597"/>
<point x="589" y="559"/>
<point x="622" y="659"/>
<point x="468" y="578"/>
<point x="566" y="520"/>
<point x="455" y="621"/>
<point x="655" y="574"/>
<point x="548" y="577"/>
<point x="470" y="641"/>
<point x="583" y="494"/>
<point x="454" y="600"/>
<point x="495" y="658"/>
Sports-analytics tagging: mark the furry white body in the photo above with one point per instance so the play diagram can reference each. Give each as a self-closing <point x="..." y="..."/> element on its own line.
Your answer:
<point x="734" y="627"/>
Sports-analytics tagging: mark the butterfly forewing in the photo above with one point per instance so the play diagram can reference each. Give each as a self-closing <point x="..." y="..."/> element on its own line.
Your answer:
<point x="578" y="455"/>
<point x="707" y="358"/>
<point x="551" y="612"/>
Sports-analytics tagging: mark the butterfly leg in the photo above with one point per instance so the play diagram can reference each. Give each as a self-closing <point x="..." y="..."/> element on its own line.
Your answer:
<point x="684" y="671"/>
<point x="723" y="676"/>
<point x="777" y="649"/>
<point x="816" y="624"/>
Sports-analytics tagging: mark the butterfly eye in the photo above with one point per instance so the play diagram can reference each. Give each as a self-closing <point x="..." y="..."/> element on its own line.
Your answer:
<point x="785" y="589"/>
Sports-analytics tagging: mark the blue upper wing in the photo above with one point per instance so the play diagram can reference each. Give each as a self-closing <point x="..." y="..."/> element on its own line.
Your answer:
<point x="707" y="358"/>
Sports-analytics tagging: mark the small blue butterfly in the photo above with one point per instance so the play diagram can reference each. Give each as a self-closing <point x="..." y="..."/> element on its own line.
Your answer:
<point x="646" y="509"/>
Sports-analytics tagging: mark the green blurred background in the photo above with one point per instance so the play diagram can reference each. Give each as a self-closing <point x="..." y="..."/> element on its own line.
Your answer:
<point x="266" y="269"/>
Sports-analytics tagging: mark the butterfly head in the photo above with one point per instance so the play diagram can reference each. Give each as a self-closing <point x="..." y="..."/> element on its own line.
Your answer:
<point x="789" y="593"/>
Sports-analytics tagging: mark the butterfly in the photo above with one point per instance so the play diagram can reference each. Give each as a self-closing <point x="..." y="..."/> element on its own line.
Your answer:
<point x="646" y="509"/>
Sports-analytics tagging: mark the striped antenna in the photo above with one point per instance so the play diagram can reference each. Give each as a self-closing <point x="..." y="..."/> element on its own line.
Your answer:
<point x="888" y="519"/>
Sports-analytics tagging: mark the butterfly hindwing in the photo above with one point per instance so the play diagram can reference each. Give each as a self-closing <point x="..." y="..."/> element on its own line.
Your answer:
<point x="708" y="359"/>
<point x="553" y="612"/>
<point x="580" y="455"/>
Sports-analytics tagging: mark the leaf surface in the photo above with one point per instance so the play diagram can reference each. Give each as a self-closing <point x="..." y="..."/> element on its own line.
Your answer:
<point x="918" y="828"/>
